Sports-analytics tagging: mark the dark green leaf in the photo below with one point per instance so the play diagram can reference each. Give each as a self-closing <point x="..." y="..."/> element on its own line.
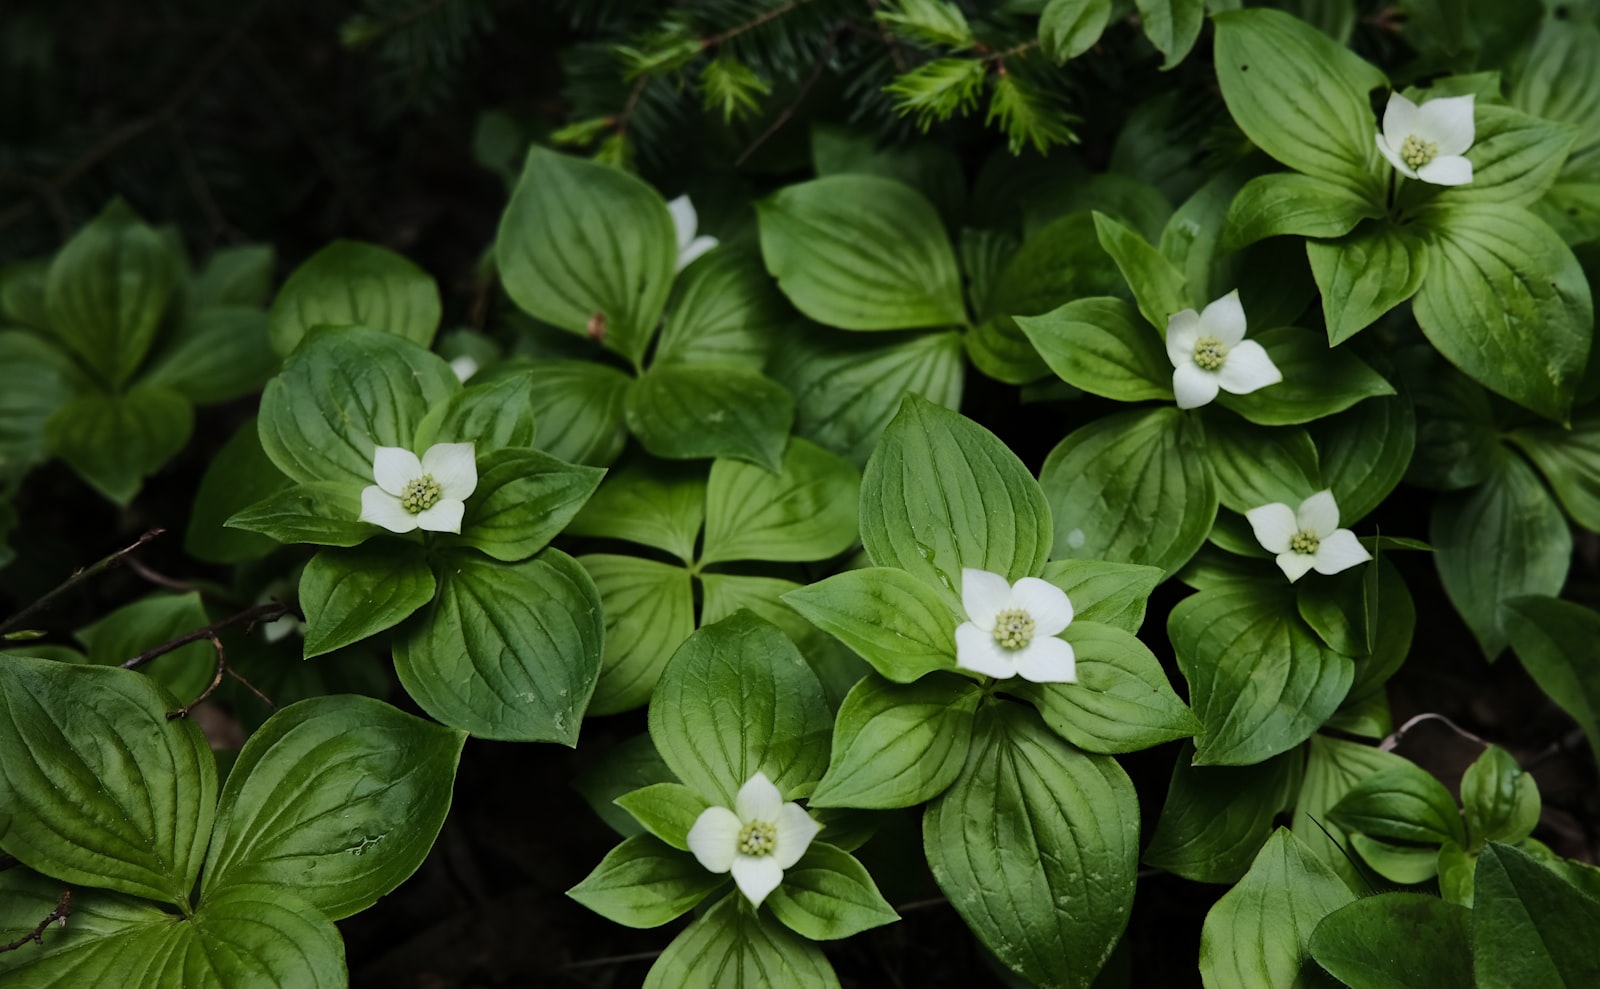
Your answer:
<point x="350" y="283"/>
<point x="688" y="411"/>
<point x="115" y="441"/>
<point x="349" y="594"/>
<point x="1396" y="941"/>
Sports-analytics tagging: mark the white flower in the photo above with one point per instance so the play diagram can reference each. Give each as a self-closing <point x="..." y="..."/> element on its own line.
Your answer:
<point x="1012" y="629"/>
<point x="1307" y="538"/>
<point x="464" y="367"/>
<point x="420" y="494"/>
<point x="685" y="221"/>
<point x="1428" y="142"/>
<point x="1208" y="351"/>
<point x="756" y="841"/>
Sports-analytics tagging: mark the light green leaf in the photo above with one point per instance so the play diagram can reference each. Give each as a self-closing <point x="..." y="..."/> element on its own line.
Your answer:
<point x="1396" y="941"/>
<point x="215" y="355"/>
<point x="804" y="511"/>
<point x="891" y="619"/>
<point x="649" y="611"/>
<point x="1515" y="157"/>
<point x="495" y="414"/>
<point x="660" y="504"/>
<point x="1500" y="799"/>
<point x="898" y="745"/>
<point x="115" y="441"/>
<point x="351" y="283"/>
<point x="1365" y="274"/>
<point x="1101" y="347"/>
<point x="238" y="477"/>
<point x="731" y="947"/>
<point x="722" y="311"/>
<point x="325" y="513"/>
<point x="645" y="882"/>
<point x="578" y="406"/>
<point x="1290" y="203"/>
<point x="523" y="499"/>
<point x="98" y="917"/>
<point x="666" y="810"/>
<point x="1530" y="928"/>
<point x="1216" y="818"/>
<point x="1068" y="28"/>
<point x="828" y="895"/>
<point x="688" y="411"/>
<point x="349" y="594"/>
<point x="1555" y="642"/>
<point x="1256" y="466"/>
<point x="1157" y="286"/>
<point x="1403" y="804"/>
<point x="1333" y="768"/>
<point x="1316" y="382"/>
<point x="1109" y="593"/>
<point x="1172" y="26"/>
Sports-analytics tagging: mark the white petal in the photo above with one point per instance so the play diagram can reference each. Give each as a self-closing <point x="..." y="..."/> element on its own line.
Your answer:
<point x="1193" y="385"/>
<point x="714" y="839"/>
<point x="694" y="249"/>
<point x="1183" y="330"/>
<point x="684" y="220"/>
<point x="1048" y="660"/>
<point x="757" y="875"/>
<point x="394" y="467"/>
<point x="1340" y="551"/>
<point x="1274" y="525"/>
<point x="1247" y="368"/>
<point x="983" y="596"/>
<point x="454" y="467"/>
<point x="1399" y="119"/>
<point x="1294" y="565"/>
<point x="977" y="651"/>
<point x="1446" y="170"/>
<point x="1224" y="319"/>
<point x="795" y="831"/>
<point x="758" y="800"/>
<point x="1448" y="122"/>
<point x="1047" y="604"/>
<point x="464" y="367"/>
<point x="1393" y="155"/>
<point x="444" y="516"/>
<point x="1318" y="513"/>
<point x="382" y="508"/>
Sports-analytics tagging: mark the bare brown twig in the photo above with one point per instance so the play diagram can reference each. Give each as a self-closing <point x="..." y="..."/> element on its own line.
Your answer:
<point x="794" y="104"/>
<point x="260" y="613"/>
<point x="60" y="914"/>
<point x="78" y="576"/>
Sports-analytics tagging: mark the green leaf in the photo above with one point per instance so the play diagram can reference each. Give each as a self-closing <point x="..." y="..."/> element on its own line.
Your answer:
<point x="1530" y="928"/>
<point x="338" y="798"/>
<point x="98" y="917"/>
<point x="1364" y="453"/>
<point x="1501" y="540"/>
<point x="115" y="441"/>
<point x="1333" y="768"/>
<point x="1396" y="941"/>
<point x="1506" y="302"/>
<point x="234" y="276"/>
<point x="1109" y="593"/>
<point x="721" y="312"/>
<point x="324" y="513"/>
<point x="523" y="499"/>
<point x="506" y="651"/>
<point x="1121" y="701"/>
<point x="1458" y="438"/>
<point x="941" y="493"/>
<point x="216" y="354"/>
<point x="666" y="810"/>
<point x="1316" y="382"/>
<point x="349" y="594"/>
<point x="108" y="289"/>
<point x="1216" y="818"/>
<point x="152" y="621"/>
<point x="342" y="393"/>
<point x="624" y="767"/>
<point x="936" y="23"/>
<point x="898" y="745"/>
<point x="804" y="511"/>
<point x="1256" y="466"/>
<point x="1403" y="804"/>
<point x="1157" y="286"/>
<point x="36" y="379"/>
<point x="894" y="621"/>
<point x="100" y="787"/>
<point x="1283" y="203"/>
<point x="688" y="411"/>
<point x="649" y="611"/>
<point x="861" y="252"/>
<point x="238" y="476"/>
<point x="645" y="882"/>
<point x="581" y="240"/>
<point x="730" y="947"/>
<point x="1258" y="935"/>
<point x="1028" y="115"/>
<point x="1300" y="97"/>
<point x="938" y="89"/>
<point x="1258" y="678"/>
<point x="737" y="699"/>
<point x="1570" y="463"/>
<point x="828" y="895"/>
<point x="1172" y="26"/>
<point x="1030" y="824"/>
<point x="492" y="415"/>
<point x="1364" y="274"/>
<point x="351" y="283"/>
<point x="1068" y="28"/>
<point x="1515" y="157"/>
<point x="578" y="406"/>
<point x="1501" y="801"/>
<point x="1133" y="487"/>
<point x="660" y="504"/>
<point x="925" y="165"/>
<point x="1554" y="640"/>
<point x="1101" y="347"/>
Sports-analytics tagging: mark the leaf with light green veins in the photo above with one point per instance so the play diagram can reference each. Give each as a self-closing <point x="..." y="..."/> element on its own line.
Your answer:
<point x="107" y="290"/>
<point x="1290" y="203"/>
<point x="351" y="283"/>
<point x="98" y="786"/>
<point x="1216" y="818"/>
<point x="1301" y="97"/>
<point x="653" y="503"/>
<point x="804" y="511"/>
<point x="828" y="895"/>
<point x="898" y="745"/>
<point x="1316" y="382"/>
<point x="1506" y="301"/>
<point x="1102" y="347"/>
<point x="1258" y="935"/>
<point x="1256" y="466"/>
<point x="649" y="611"/>
<point x="1259" y="680"/>
<point x="722" y="311"/>
<point x="523" y="499"/>
<point x="1333" y="768"/>
<point x="494" y="414"/>
<point x="370" y="785"/>
<point x="1531" y="929"/>
<point x="1555" y="641"/>
<point x="1366" y="273"/>
<point x="644" y="882"/>
<point x="1157" y="286"/>
<point x="861" y="252"/>
<point x="1396" y="941"/>
<point x="1403" y="804"/>
<point x="1068" y="28"/>
<point x="1515" y="157"/>
<point x="26" y="897"/>
<point x="666" y="810"/>
<point x="1036" y="845"/>
<point x="349" y="594"/>
<point x="324" y="513"/>
<point x="894" y="621"/>
<point x="115" y="441"/>
<point x="1569" y="459"/>
<point x="1172" y="26"/>
<point x="1365" y="452"/>
<point x="730" y="947"/>
<point x="1500" y="799"/>
<point x="689" y="411"/>
<point x="506" y="651"/>
<point x="581" y="240"/>
<point x="578" y="406"/>
<point x="1109" y="593"/>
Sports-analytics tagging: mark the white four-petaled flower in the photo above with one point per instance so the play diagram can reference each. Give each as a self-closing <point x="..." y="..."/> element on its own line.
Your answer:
<point x="1427" y="142"/>
<point x="1208" y="351"/>
<point x="1307" y="538"/>
<point x="420" y="494"/>
<point x="756" y="841"/>
<point x="1011" y="628"/>
<point x="685" y="222"/>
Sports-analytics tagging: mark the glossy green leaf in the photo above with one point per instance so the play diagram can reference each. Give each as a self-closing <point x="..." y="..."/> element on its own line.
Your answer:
<point x="804" y="511"/>
<point x="1282" y="203"/>
<point x="1515" y="157"/>
<point x="325" y="513"/>
<point x="894" y="621"/>
<point x="828" y="895"/>
<point x="523" y="499"/>
<point x="1366" y="273"/>
<point x="722" y="311"/>
<point x="351" y="283"/>
<point x="731" y="947"/>
<point x="1101" y="347"/>
<point x="1530" y="928"/>
<point x="688" y="411"/>
<point x="645" y="882"/>
<point x="898" y="745"/>
<point x="1499" y="798"/>
<point x="1157" y="286"/>
<point x="1404" y="804"/>
<point x="1396" y="941"/>
<point x="649" y="611"/>
<point x="1068" y="28"/>
<point x="115" y="441"/>
<point x="1364" y="453"/>
<point x="349" y="594"/>
<point x="1316" y="382"/>
<point x="495" y="414"/>
<point x="1255" y="466"/>
<point x="1216" y="818"/>
<point x="660" y="504"/>
<point x="151" y="621"/>
<point x="1334" y="767"/>
<point x="98" y="917"/>
<point x="1109" y="593"/>
<point x="1555" y="642"/>
<point x="666" y="810"/>
<point x="1570" y="463"/>
<point x="578" y="406"/>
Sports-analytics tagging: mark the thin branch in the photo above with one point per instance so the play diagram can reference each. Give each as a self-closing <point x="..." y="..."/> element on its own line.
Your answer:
<point x="637" y="956"/>
<point x="156" y="577"/>
<point x="751" y="25"/>
<point x="625" y="117"/>
<point x="216" y="680"/>
<point x="794" y="104"/>
<point x="260" y="613"/>
<point x="1393" y="741"/>
<point x="897" y="53"/>
<point x="78" y="577"/>
<point x="59" y="915"/>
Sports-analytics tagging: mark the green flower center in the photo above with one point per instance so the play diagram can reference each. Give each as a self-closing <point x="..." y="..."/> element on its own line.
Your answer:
<point x="1013" y="628"/>
<point x="1304" y="542"/>
<point x="1417" y="152"/>
<point x="758" y="838"/>
<point x="1210" y="353"/>
<point x="420" y="495"/>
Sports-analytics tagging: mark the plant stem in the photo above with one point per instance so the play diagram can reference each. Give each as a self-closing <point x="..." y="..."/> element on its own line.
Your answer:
<point x="78" y="577"/>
